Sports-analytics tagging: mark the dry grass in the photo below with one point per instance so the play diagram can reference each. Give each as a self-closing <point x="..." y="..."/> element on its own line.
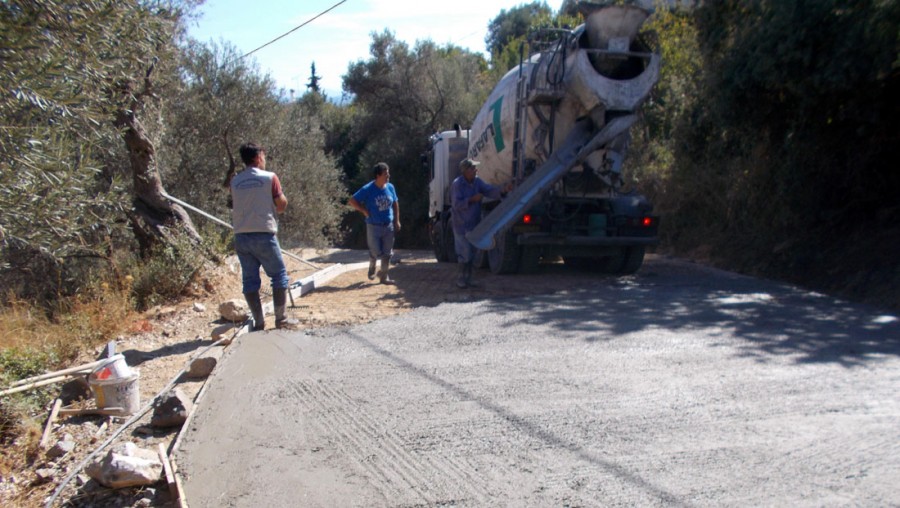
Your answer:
<point x="34" y="340"/>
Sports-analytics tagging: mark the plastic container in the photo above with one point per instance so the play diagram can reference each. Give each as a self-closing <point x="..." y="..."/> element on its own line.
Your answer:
<point x="123" y="393"/>
<point x="114" y="368"/>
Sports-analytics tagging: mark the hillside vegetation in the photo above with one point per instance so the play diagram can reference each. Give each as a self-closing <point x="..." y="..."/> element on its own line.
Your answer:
<point x="769" y="147"/>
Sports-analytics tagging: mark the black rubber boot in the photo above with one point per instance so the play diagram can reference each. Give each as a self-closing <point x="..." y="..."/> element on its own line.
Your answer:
<point x="468" y="272"/>
<point x="279" y="301"/>
<point x="385" y="268"/>
<point x="256" y="310"/>
<point x="371" y="274"/>
<point x="461" y="275"/>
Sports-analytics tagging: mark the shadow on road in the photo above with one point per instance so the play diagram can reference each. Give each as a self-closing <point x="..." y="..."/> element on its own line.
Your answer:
<point x="773" y="319"/>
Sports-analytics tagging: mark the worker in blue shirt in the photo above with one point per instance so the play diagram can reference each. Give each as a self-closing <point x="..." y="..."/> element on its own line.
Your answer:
<point x="466" y="194"/>
<point x="377" y="201"/>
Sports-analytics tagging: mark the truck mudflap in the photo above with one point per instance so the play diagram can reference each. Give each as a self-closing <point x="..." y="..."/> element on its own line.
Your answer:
<point x="580" y="143"/>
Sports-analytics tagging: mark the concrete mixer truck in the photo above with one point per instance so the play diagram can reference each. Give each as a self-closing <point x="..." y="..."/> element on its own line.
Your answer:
<point x="557" y="127"/>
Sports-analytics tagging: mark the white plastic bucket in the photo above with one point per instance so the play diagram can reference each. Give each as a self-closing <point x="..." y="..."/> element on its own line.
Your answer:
<point x="113" y="368"/>
<point x="124" y="393"/>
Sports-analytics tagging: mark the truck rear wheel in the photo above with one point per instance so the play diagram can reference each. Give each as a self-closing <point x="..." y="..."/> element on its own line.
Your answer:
<point x="634" y="258"/>
<point x="481" y="259"/>
<point x="626" y="261"/>
<point x="442" y="241"/>
<point x="530" y="260"/>
<point x="437" y="241"/>
<point x="504" y="257"/>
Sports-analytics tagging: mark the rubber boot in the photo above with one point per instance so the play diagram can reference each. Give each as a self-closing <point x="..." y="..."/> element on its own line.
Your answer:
<point x="461" y="275"/>
<point x="385" y="268"/>
<point x="279" y="301"/>
<point x="468" y="275"/>
<point x="256" y="310"/>
<point x="372" y="262"/>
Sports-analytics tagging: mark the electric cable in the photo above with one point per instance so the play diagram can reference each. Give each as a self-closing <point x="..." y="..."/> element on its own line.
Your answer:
<point x="289" y="31"/>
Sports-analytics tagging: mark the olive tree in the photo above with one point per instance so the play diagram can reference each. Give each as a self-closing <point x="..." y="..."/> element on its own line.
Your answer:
<point x="402" y="96"/>
<point x="75" y="77"/>
<point x="225" y="101"/>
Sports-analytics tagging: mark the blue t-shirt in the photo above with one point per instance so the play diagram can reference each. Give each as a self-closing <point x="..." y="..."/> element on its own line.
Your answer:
<point x="378" y="202"/>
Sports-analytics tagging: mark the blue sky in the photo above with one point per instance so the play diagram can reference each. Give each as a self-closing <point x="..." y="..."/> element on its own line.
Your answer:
<point x="341" y="36"/>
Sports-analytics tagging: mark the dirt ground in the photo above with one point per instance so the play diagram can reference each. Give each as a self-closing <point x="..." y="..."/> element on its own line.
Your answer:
<point x="171" y="336"/>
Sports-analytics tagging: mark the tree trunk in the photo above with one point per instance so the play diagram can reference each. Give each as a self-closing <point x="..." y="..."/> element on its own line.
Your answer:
<point x="154" y="218"/>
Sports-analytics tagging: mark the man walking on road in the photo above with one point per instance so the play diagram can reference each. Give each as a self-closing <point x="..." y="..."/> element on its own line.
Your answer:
<point x="258" y="198"/>
<point x="377" y="201"/>
<point x="466" y="193"/>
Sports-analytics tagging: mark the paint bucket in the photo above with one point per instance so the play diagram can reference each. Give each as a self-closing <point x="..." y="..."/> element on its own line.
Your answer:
<point x="113" y="368"/>
<point x="124" y="393"/>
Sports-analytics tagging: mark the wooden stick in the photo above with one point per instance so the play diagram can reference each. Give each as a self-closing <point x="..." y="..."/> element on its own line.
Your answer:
<point x="107" y="411"/>
<point x="181" y="498"/>
<point x="38" y="384"/>
<point x="79" y="368"/>
<point x="53" y="412"/>
<point x="170" y="475"/>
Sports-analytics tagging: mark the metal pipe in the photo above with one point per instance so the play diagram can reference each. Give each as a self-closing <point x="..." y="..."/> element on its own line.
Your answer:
<point x="229" y="226"/>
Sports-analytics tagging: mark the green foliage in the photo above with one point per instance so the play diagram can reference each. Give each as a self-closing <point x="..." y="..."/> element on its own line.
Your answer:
<point x="514" y="24"/>
<point x="165" y="273"/>
<point x="67" y="67"/>
<point x="21" y="363"/>
<point x="652" y="153"/>
<point x="224" y="102"/>
<point x="402" y="96"/>
<point x="515" y="34"/>
<point x="784" y="155"/>
<point x="310" y="178"/>
<point x="313" y="84"/>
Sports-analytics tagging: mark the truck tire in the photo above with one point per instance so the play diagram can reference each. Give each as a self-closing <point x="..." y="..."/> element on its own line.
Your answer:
<point x="580" y="264"/>
<point x="530" y="260"/>
<point x="626" y="261"/>
<point x="437" y="241"/>
<point x="504" y="257"/>
<point x="449" y="246"/>
<point x="634" y="258"/>
<point x="481" y="259"/>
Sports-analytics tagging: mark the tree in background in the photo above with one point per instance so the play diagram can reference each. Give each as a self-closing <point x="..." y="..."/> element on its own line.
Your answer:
<point x="509" y="30"/>
<point x="651" y="156"/>
<point x="514" y="24"/>
<point x="313" y="84"/>
<point x="75" y="70"/>
<point x="794" y="139"/>
<point x="402" y="96"/>
<point x="224" y="102"/>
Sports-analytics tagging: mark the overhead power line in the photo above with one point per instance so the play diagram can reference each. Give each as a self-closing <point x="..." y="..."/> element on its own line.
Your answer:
<point x="291" y="30"/>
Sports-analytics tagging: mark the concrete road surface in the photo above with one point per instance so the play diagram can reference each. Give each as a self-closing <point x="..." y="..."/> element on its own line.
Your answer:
<point x="681" y="386"/>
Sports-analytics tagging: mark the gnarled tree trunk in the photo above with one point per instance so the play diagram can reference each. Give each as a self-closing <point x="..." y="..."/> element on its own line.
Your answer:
<point x="154" y="218"/>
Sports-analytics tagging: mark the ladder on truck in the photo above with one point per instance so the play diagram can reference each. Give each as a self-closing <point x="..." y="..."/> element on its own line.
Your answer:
<point x="521" y="127"/>
<point x="528" y="96"/>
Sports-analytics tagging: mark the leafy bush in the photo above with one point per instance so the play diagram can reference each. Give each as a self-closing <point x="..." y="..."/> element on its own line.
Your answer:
<point x="165" y="273"/>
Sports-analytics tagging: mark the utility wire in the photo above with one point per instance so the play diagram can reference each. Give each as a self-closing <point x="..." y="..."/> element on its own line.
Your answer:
<point x="290" y="31"/>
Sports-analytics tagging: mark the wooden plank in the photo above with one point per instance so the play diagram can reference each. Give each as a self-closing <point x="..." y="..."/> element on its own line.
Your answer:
<point x="38" y="384"/>
<point x="71" y="370"/>
<point x="50" y="420"/>
<point x="170" y="475"/>
<point x="182" y="499"/>
<point x="107" y="411"/>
